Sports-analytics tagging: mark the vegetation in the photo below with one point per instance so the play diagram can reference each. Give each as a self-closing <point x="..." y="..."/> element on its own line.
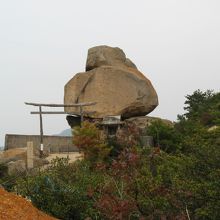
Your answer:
<point x="3" y="172"/>
<point x="177" y="179"/>
<point x="203" y="107"/>
<point x="91" y="142"/>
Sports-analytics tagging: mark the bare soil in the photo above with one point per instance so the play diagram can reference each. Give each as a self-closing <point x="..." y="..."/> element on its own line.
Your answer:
<point x="14" y="207"/>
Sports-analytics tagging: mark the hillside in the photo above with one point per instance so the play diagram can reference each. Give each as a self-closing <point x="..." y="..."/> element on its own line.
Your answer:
<point x="118" y="178"/>
<point x="14" y="207"/>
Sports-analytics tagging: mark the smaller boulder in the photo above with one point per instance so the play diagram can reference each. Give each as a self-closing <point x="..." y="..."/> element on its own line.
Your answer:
<point x="38" y="162"/>
<point x="14" y="167"/>
<point x="107" y="56"/>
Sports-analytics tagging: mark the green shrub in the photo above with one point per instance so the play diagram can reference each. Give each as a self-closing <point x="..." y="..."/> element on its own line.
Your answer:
<point x="165" y="136"/>
<point x="62" y="189"/>
<point x="89" y="139"/>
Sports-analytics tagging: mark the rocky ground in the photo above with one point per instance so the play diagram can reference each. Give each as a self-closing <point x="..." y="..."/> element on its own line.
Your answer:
<point x="16" y="159"/>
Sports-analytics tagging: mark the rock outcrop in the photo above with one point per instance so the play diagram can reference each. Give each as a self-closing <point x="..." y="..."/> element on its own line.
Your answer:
<point x="142" y="123"/>
<point x="16" y="160"/>
<point x="114" y="82"/>
<point x="15" y="167"/>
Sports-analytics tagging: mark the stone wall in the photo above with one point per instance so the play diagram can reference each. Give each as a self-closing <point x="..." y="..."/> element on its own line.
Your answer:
<point x="52" y="144"/>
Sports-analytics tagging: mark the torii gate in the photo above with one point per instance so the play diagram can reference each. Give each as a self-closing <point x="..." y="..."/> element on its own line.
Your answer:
<point x="40" y="112"/>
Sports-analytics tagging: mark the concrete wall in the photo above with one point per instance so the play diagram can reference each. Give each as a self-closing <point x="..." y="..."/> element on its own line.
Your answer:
<point x="51" y="143"/>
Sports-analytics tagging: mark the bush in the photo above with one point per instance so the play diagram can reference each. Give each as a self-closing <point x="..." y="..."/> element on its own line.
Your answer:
<point x="165" y="136"/>
<point x="3" y="170"/>
<point x="62" y="189"/>
<point x="89" y="139"/>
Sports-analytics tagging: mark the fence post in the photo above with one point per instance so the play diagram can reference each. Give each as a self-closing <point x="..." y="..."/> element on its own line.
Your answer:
<point x="30" y="155"/>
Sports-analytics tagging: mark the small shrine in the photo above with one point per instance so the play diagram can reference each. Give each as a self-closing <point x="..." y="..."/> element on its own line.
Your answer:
<point x="111" y="124"/>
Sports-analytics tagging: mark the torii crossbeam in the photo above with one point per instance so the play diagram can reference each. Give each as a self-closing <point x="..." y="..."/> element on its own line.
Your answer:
<point x="40" y="105"/>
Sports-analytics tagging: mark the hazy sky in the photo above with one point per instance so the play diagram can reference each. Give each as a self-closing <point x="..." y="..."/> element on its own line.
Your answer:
<point x="43" y="43"/>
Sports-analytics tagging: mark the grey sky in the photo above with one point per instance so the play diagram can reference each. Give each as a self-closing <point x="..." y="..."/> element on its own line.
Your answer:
<point x="43" y="43"/>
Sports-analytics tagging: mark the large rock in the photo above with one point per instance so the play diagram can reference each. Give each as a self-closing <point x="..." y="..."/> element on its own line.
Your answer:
<point x="114" y="82"/>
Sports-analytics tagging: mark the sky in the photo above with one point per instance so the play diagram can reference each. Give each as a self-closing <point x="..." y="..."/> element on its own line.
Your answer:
<point x="43" y="43"/>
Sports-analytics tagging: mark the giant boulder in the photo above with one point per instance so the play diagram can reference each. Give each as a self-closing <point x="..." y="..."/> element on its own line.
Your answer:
<point x="113" y="81"/>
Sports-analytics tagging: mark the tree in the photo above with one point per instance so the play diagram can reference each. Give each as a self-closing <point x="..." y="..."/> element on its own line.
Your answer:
<point x="165" y="136"/>
<point x="203" y="107"/>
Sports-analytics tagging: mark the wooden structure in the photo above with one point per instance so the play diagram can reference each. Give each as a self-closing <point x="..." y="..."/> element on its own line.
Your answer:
<point x="40" y="112"/>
